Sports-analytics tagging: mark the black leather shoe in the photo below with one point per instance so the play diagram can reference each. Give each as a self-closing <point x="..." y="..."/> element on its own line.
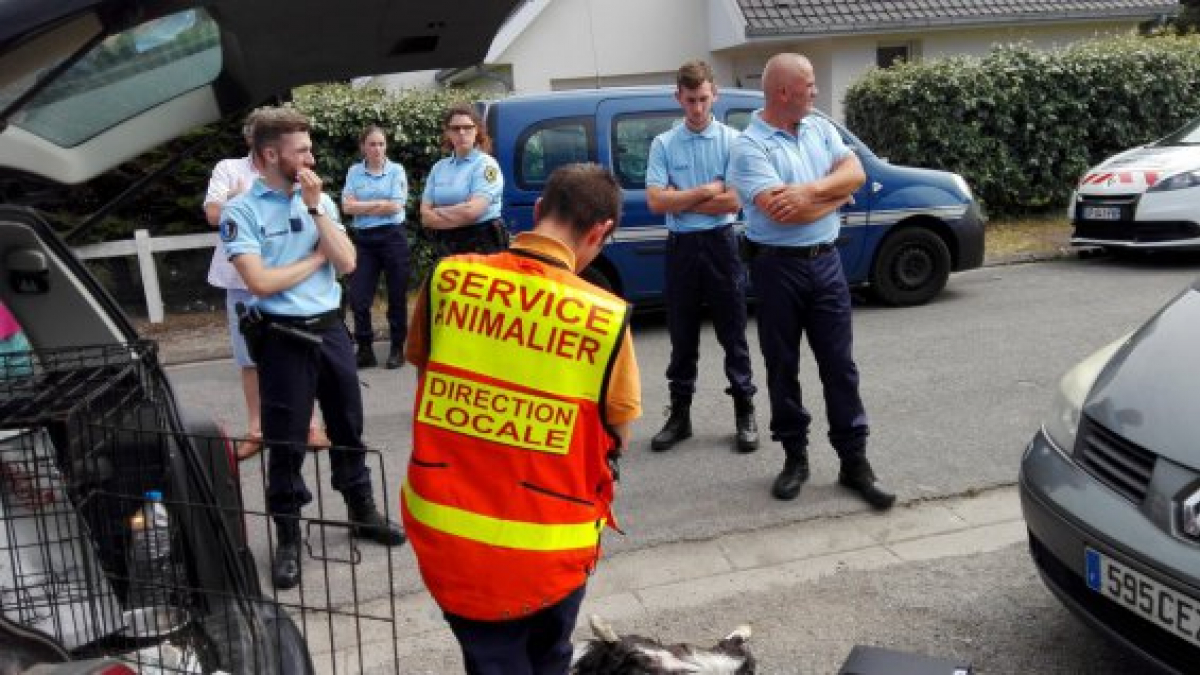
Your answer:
<point x="678" y="426"/>
<point x="366" y="522"/>
<point x="856" y="474"/>
<point x="793" y="476"/>
<point x="285" y="569"/>
<point x="395" y="357"/>
<point x="366" y="356"/>
<point x="746" y="435"/>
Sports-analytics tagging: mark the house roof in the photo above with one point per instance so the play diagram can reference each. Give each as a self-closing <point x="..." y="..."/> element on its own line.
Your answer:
<point x="817" y="17"/>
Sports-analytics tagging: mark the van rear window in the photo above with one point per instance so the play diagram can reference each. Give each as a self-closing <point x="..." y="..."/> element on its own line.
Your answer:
<point x="551" y="144"/>
<point x="632" y="136"/>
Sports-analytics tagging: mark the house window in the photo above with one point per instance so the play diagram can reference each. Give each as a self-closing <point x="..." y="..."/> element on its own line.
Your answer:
<point x="888" y="55"/>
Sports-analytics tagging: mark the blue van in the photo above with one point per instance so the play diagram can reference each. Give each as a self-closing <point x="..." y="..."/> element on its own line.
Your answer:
<point x="907" y="229"/>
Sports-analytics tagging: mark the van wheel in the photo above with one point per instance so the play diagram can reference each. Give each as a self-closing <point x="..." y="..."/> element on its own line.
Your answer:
<point x="912" y="267"/>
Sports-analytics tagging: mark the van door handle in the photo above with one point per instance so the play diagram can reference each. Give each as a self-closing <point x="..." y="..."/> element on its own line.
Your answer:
<point x="876" y="186"/>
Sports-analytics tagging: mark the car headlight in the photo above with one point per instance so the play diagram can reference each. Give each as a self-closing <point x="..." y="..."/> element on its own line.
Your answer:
<point x="1063" y="423"/>
<point x="1179" y="181"/>
<point x="1191" y="515"/>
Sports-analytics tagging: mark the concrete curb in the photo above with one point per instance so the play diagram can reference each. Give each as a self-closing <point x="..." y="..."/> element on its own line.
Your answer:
<point x="696" y="576"/>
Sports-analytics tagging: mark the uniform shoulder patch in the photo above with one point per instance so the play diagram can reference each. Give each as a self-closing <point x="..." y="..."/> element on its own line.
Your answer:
<point x="228" y="230"/>
<point x="491" y="173"/>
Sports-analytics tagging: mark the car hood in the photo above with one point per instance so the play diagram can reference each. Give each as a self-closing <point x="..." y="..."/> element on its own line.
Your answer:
<point x="1149" y="393"/>
<point x="1133" y="171"/>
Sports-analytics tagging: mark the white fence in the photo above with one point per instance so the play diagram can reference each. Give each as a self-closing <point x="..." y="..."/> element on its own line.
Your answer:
<point x="144" y="247"/>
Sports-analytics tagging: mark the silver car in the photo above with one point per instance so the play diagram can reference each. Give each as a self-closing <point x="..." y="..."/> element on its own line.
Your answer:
<point x="1110" y="489"/>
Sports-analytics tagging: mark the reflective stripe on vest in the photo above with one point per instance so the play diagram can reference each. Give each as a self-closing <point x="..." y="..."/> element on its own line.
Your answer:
<point x="499" y="532"/>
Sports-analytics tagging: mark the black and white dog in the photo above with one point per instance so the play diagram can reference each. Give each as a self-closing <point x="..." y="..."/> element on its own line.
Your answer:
<point x="612" y="654"/>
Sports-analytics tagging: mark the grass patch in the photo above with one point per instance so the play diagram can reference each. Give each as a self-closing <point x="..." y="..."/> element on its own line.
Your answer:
<point x="1030" y="236"/>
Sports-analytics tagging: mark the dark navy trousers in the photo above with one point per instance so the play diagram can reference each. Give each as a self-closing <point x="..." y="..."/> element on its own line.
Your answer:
<point x="703" y="268"/>
<point x="380" y="250"/>
<point x="539" y="644"/>
<point x="291" y="373"/>
<point x="799" y="296"/>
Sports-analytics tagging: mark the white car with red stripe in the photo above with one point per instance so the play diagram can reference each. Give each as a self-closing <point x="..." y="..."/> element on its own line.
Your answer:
<point x="1144" y="198"/>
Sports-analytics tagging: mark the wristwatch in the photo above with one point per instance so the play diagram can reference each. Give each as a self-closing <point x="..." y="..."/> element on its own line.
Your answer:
<point x="318" y="210"/>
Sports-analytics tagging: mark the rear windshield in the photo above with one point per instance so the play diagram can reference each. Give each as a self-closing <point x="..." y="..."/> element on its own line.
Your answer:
<point x="124" y="75"/>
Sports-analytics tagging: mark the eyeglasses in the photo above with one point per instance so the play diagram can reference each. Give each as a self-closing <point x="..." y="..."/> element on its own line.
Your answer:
<point x="461" y="128"/>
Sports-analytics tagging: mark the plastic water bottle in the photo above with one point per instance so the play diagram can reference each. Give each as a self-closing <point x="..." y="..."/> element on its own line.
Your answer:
<point x="150" y="569"/>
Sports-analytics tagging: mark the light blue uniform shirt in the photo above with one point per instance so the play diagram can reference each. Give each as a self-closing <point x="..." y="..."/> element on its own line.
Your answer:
<point x="453" y="181"/>
<point x="684" y="159"/>
<point x="764" y="157"/>
<point x="391" y="183"/>
<point x="277" y="227"/>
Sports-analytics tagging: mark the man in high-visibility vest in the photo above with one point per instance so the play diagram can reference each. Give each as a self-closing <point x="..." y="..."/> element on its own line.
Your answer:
<point x="527" y="386"/>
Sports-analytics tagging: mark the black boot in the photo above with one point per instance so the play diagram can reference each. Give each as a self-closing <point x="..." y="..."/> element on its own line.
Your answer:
<point x="366" y="356"/>
<point x="285" y="568"/>
<point x="747" y="427"/>
<point x="366" y="522"/>
<point x="857" y="475"/>
<point x="795" y="472"/>
<point x="395" y="357"/>
<point x="678" y="426"/>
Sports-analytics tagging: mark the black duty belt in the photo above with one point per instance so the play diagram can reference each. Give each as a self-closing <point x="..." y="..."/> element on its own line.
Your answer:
<point x="463" y="232"/>
<point x="377" y="229"/>
<point x="814" y="251"/>
<point x="322" y="321"/>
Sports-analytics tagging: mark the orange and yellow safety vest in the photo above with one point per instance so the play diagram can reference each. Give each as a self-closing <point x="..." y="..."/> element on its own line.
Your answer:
<point x="509" y="487"/>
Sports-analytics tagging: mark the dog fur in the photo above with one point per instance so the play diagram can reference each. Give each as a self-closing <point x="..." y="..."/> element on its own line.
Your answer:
<point x="612" y="654"/>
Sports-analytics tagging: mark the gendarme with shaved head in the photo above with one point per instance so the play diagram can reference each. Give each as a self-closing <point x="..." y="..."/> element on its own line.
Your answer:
<point x="793" y="172"/>
<point x="790" y="88"/>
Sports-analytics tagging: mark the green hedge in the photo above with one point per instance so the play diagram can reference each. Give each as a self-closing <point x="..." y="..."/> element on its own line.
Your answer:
<point x="172" y="204"/>
<point x="1022" y="125"/>
<point x="412" y="120"/>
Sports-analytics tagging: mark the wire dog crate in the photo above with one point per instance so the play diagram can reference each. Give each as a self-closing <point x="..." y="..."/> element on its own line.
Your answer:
<point x="85" y="434"/>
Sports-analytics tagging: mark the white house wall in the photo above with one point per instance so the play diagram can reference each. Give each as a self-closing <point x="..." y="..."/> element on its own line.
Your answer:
<point x="579" y="42"/>
<point x="840" y="61"/>
<point x="585" y="43"/>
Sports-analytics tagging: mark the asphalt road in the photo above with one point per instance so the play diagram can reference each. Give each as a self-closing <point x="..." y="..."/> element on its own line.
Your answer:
<point x="954" y="390"/>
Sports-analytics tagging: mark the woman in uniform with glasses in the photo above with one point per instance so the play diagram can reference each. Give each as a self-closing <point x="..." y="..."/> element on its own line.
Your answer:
<point x="460" y="207"/>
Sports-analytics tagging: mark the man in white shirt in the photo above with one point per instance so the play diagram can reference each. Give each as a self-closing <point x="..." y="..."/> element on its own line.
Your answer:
<point x="231" y="177"/>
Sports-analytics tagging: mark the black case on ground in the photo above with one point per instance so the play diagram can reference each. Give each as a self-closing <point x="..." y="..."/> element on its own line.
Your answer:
<point x="866" y="660"/>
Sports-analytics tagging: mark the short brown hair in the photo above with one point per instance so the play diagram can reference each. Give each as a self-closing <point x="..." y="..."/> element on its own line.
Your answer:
<point x="693" y="74"/>
<point x="583" y="195"/>
<point x="248" y="125"/>
<point x="272" y="123"/>
<point x="368" y="130"/>
<point x="482" y="140"/>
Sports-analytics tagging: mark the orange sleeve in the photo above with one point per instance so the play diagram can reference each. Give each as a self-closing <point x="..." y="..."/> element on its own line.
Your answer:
<point x="624" y="401"/>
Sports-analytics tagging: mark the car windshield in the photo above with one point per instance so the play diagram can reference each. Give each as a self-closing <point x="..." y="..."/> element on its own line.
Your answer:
<point x="121" y="76"/>
<point x="1189" y="134"/>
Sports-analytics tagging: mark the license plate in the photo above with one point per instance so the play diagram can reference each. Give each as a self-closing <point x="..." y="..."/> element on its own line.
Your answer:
<point x="1101" y="212"/>
<point x="1172" y="611"/>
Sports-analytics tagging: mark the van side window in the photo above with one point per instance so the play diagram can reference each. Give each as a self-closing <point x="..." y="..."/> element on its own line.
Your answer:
<point x="549" y="145"/>
<point x="738" y="119"/>
<point x="632" y="136"/>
